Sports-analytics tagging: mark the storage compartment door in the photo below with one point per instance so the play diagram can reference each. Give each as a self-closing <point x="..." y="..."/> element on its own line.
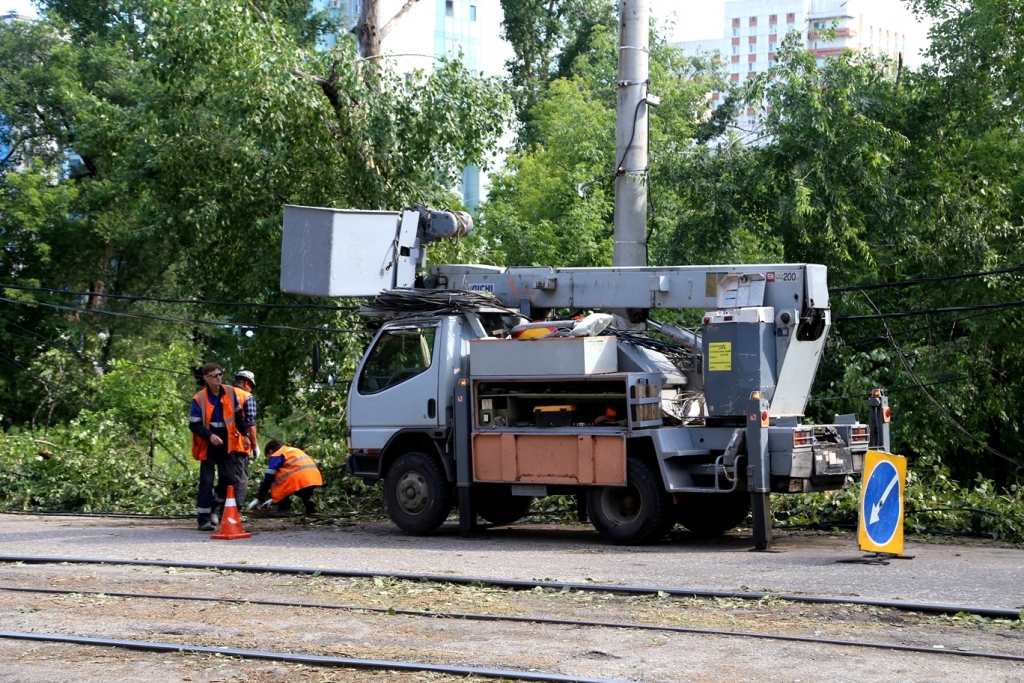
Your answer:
<point x="550" y="458"/>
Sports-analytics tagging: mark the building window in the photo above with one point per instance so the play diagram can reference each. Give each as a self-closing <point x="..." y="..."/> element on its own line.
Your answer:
<point x="735" y="67"/>
<point x="753" y="48"/>
<point x="753" y="30"/>
<point x="773" y="29"/>
<point x="449" y="8"/>
<point x="735" y="32"/>
<point x="735" y="49"/>
<point x="472" y="12"/>
<point x="750" y="66"/>
<point x="790" y="18"/>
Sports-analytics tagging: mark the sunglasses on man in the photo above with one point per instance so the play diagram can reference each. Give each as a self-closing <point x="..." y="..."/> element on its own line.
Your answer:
<point x="215" y="375"/>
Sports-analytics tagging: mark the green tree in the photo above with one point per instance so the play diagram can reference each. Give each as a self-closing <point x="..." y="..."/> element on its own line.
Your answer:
<point x="546" y="37"/>
<point x="553" y="203"/>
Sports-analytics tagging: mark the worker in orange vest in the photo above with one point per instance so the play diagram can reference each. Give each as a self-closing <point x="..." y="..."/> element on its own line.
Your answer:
<point x="237" y="462"/>
<point x="215" y="433"/>
<point x="289" y="472"/>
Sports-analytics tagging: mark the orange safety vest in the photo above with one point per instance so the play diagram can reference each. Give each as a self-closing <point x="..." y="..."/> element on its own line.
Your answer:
<point x="297" y="472"/>
<point x="235" y="442"/>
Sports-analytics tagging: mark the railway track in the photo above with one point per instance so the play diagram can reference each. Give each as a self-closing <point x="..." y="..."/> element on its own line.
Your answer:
<point x="522" y="584"/>
<point x="311" y="660"/>
<point x="577" y="623"/>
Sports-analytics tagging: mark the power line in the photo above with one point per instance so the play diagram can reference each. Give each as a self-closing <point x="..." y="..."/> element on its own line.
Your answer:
<point x="931" y="399"/>
<point x="187" y="321"/>
<point x="907" y="387"/>
<point x="42" y="340"/>
<point x="925" y="280"/>
<point x="952" y="309"/>
<point x="909" y="332"/>
<point x="165" y="300"/>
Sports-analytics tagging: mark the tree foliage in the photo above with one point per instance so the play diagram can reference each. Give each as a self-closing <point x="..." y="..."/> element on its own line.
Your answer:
<point x="553" y="203"/>
<point x="546" y="38"/>
<point x="153" y="144"/>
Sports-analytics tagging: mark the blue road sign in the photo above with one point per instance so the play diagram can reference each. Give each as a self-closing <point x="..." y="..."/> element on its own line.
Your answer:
<point x="883" y="504"/>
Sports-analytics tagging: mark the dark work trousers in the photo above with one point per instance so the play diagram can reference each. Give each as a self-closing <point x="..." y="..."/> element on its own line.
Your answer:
<point x="216" y="462"/>
<point x="305" y="495"/>
<point x="237" y="465"/>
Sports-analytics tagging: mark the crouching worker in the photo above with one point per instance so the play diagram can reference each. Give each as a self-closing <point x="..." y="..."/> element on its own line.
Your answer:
<point x="289" y="472"/>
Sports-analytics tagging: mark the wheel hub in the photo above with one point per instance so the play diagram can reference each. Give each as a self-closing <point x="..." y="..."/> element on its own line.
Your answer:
<point x="622" y="506"/>
<point x="413" y="492"/>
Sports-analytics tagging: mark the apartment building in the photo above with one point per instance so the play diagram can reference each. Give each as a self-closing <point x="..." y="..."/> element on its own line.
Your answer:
<point x="753" y="30"/>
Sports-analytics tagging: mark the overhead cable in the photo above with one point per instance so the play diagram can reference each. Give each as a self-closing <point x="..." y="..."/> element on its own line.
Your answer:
<point x="188" y="321"/>
<point x="165" y="300"/>
<point x="929" y="311"/>
<point x="925" y="280"/>
<point x="931" y="399"/>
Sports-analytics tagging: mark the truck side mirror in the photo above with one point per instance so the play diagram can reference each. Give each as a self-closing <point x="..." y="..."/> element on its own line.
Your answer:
<point x="316" y="357"/>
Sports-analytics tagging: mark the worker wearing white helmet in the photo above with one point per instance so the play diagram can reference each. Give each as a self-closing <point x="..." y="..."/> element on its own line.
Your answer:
<point x="238" y="460"/>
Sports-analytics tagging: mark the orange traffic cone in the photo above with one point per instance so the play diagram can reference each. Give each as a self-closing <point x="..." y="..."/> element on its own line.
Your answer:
<point x="230" y="522"/>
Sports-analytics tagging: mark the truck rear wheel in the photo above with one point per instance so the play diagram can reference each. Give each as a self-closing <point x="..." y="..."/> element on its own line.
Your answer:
<point x="634" y="514"/>
<point x="712" y="514"/>
<point x="497" y="505"/>
<point x="417" y="494"/>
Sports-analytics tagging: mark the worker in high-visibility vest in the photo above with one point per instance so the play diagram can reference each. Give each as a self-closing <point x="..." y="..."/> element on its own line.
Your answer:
<point x="237" y="462"/>
<point x="289" y="472"/>
<point x="215" y="433"/>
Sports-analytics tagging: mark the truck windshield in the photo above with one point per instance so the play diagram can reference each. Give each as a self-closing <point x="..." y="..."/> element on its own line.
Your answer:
<point x="397" y="356"/>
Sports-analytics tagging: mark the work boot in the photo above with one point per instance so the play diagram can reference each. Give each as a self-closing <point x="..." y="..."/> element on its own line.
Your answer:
<point x="206" y="524"/>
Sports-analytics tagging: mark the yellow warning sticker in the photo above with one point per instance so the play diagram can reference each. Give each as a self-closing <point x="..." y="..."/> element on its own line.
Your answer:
<point x="720" y="356"/>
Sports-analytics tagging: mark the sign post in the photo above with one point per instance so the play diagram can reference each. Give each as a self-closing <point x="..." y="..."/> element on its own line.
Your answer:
<point x="880" y="529"/>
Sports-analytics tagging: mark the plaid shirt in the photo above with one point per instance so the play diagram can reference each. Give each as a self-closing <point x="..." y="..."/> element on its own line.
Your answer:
<point x="249" y="409"/>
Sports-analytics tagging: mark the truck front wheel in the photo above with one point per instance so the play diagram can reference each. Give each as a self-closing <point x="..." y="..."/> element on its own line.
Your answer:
<point x="634" y="514"/>
<point x="417" y="494"/>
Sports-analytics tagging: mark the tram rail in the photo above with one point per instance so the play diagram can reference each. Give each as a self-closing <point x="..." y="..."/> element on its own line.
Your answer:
<point x="992" y="612"/>
<point x="468" y="616"/>
<point x="309" y="660"/>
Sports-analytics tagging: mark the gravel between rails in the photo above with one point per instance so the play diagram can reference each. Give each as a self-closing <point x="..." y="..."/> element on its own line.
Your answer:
<point x="597" y="653"/>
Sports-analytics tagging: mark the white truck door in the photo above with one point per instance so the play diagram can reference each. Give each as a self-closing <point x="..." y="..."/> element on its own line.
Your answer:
<point x="396" y="386"/>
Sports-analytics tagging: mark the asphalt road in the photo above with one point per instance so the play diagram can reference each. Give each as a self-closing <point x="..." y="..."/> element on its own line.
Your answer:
<point x="949" y="572"/>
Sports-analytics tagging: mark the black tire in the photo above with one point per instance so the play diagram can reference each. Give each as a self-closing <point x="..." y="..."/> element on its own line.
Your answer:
<point x="635" y="514"/>
<point x="417" y="494"/>
<point x="712" y="514"/>
<point x="496" y="504"/>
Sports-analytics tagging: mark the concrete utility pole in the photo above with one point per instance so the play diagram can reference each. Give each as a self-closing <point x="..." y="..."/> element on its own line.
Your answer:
<point x="631" y="135"/>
